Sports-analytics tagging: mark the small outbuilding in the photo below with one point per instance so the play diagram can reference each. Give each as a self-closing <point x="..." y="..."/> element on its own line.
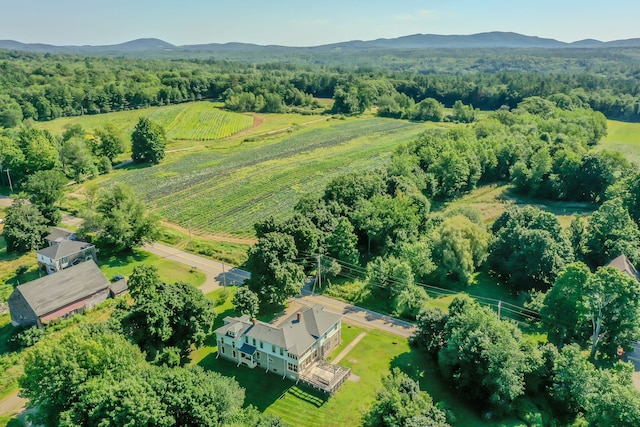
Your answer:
<point x="58" y="234"/>
<point x="59" y="295"/>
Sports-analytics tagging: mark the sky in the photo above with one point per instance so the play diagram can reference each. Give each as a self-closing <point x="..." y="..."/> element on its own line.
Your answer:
<point x="299" y="23"/>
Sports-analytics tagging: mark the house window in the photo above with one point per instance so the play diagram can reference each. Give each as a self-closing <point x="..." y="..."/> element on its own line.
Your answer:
<point x="257" y="356"/>
<point x="281" y="352"/>
<point x="64" y="260"/>
<point x="234" y="353"/>
<point x="292" y="356"/>
<point x="233" y="344"/>
<point x="273" y="349"/>
<point x="222" y="348"/>
<point x="246" y="339"/>
<point x="261" y="344"/>
<point x="254" y="342"/>
<point x="292" y="367"/>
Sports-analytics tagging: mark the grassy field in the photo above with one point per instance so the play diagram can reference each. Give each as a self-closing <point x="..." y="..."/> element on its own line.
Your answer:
<point x="226" y="191"/>
<point x="492" y="200"/>
<point x="624" y="138"/>
<point x="170" y="271"/>
<point x="370" y="360"/>
<point x="194" y="121"/>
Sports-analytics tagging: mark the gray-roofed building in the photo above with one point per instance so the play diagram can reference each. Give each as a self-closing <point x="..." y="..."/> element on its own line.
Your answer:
<point x="59" y="295"/>
<point x="58" y="234"/>
<point x="623" y="264"/>
<point x="119" y="287"/>
<point x="296" y="348"/>
<point x="65" y="254"/>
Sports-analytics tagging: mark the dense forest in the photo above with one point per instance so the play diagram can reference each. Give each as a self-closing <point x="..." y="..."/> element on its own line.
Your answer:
<point x="45" y="86"/>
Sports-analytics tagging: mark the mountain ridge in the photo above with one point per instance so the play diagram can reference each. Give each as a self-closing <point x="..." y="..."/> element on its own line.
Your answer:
<point x="494" y="39"/>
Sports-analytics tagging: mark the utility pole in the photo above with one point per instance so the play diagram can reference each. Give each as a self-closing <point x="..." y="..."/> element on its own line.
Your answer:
<point x="319" y="272"/>
<point x="9" y="176"/>
<point x="499" y="308"/>
<point x="224" y="276"/>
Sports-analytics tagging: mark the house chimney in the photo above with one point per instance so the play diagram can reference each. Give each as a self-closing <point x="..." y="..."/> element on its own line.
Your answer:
<point x="299" y="317"/>
<point x="254" y="320"/>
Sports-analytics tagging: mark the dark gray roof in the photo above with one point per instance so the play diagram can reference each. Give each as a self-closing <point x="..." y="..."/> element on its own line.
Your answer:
<point x="119" y="287"/>
<point x="293" y="335"/>
<point x="63" y="249"/>
<point x="623" y="264"/>
<point x="55" y="291"/>
<point x="57" y="234"/>
<point x="248" y="349"/>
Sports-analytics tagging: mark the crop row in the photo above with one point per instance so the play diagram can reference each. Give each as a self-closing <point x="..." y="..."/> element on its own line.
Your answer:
<point x="228" y="192"/>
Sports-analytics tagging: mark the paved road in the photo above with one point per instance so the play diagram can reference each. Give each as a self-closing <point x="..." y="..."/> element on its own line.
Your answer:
<point x="6" y="201"/>
<point x="218" y="273"/>
<point x="359" y="315"/>
<point x="216" y="277"/>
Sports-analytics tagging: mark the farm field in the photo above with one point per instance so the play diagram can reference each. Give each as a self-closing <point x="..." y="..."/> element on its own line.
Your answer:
<point x="194" y="121"/>
<point x="624" y="138"/>
<point x="225" y="191"/>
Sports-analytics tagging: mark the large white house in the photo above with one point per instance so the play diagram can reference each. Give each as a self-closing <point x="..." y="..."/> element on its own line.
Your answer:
<point x="296" y="348"/>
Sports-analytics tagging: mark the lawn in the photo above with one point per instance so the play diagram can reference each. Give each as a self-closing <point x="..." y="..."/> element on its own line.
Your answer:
<point x="493" y="199"/>
<point x="370" y="360"/>
<point x="623" y="137"/>
<point x="170" y="271"/>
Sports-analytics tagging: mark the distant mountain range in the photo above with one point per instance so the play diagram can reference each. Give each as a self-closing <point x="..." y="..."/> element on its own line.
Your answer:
<point x="417" y="41"/>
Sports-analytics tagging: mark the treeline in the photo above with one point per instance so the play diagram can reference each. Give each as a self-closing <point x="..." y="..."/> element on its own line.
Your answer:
<point x="44" y="87"/>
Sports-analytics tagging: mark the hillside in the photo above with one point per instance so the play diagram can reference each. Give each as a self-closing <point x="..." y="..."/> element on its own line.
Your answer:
<point x="488" y="40"/>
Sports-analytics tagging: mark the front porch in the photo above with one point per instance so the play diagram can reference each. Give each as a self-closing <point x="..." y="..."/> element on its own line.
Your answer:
<point x="324" y="376"/>
<point x="246" y="356"/>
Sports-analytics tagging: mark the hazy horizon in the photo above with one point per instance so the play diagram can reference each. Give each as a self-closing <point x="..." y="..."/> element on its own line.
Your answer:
<point x="288" y="23"/>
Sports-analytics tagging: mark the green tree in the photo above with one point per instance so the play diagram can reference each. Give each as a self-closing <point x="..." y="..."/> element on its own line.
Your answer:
<point x="147" y="142"/>
<point x="108" y="144"/>
<point x="25" y="227"/>
<point x="529" y="249"/>
<point x="55" y="370"/>
<point x="400" y="402"/>
<point x="120" y="221"/>
<point x="194" y="397"/>
<point x="388" y="277"/>
<point x="246" y="302"/>
<point x="599" y="310"/>
<point x="10" y="112"/>
<point x="560" y="310"/>
<point x="171" y="317"/>
<point x="386" y="221"/>
<point x="483" y="356"/>
<point x="39" y="150"/>
<point x="460" y="246"/>
<point x="45" y="189"/>
<point x="342" y="243"/>
<point x="611" y="302"/>
<point x="126" y="402"/>
<point x="430" y="330"/>
<point x="77" y="161"/>
<point x="143" y="279"/>
<point x="463" y="113"/>
<point x="610" y="233"/>
<point x="275" y="276"/>
<point x="429" y="110"/>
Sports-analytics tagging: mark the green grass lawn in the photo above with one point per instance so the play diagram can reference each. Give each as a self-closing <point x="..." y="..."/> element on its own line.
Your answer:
<point x="370" y="360"/>
<point x="623" y="137"/>
<point x="170" y="271"/>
